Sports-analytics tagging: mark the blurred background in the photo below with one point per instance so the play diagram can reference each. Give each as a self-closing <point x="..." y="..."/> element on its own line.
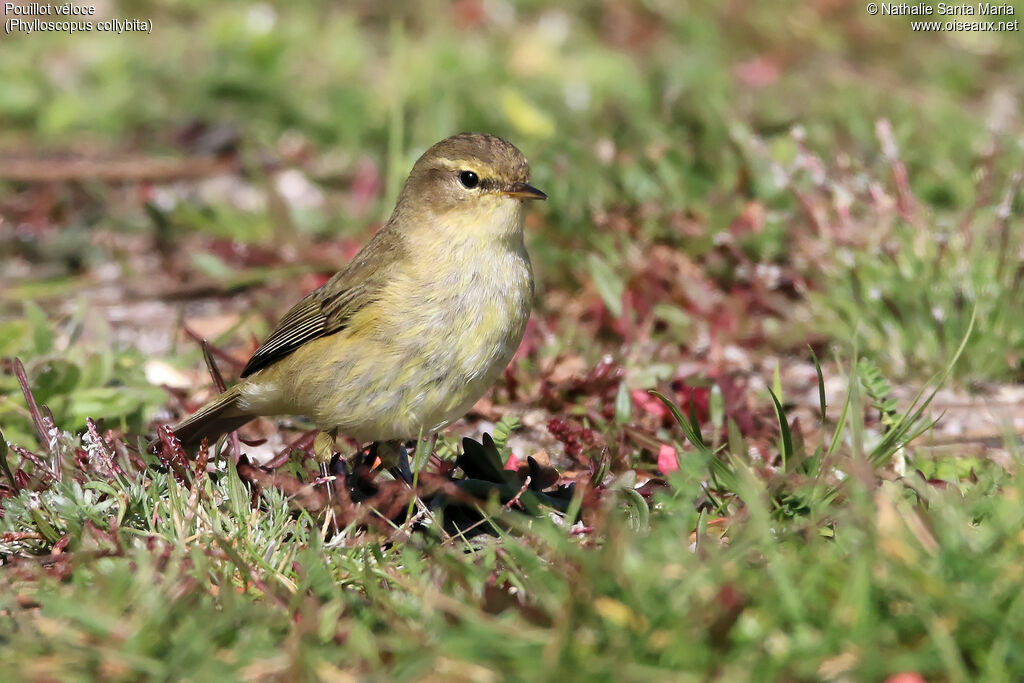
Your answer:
<point x="730" y="183"/>
<point x="789" y="218"/>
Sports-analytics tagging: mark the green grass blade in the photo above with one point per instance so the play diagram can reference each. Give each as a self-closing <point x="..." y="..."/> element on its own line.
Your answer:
<point x="787" y="435"/>
<point x="821" y="384"/>
<point x="691" y="431"/>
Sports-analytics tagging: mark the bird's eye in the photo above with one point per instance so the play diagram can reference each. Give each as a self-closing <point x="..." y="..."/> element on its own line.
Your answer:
<point x="469" y="179"/>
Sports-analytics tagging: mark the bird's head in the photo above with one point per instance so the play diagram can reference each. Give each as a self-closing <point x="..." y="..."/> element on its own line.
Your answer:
<point x="471" y="182"/>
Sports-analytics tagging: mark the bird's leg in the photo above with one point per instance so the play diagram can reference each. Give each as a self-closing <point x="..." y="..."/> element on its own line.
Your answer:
<point x="323" y="447"/>
<point x="394" y="458"/>
<point x="402" y="469"/>
<point x="323" y="451"/>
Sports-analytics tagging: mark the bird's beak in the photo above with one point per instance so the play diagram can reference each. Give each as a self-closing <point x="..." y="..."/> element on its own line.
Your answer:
<point x="523" y="191"/>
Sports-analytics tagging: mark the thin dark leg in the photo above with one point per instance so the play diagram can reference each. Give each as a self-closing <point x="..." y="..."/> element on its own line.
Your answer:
<point x="402" y="469"/>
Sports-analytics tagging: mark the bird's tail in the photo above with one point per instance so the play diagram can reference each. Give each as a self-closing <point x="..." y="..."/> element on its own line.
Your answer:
<point x="213" y="420"/>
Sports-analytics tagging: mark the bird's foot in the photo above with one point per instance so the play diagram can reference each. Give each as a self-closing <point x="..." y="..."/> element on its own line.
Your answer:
<point x="394" y="457"/>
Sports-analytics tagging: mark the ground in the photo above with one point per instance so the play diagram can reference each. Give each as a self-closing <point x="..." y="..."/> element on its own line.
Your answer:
<point x="800" y="226"/>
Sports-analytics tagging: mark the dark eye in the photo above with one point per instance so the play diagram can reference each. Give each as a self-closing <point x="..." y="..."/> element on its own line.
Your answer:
<point x="469" y="179"/>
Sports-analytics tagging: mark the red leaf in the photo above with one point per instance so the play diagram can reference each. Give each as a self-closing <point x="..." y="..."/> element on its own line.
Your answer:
<point x="649" y="403"/>
<point x="699" y="396"/>
<point x="668" y="461"/>
<point x="513" y="463"/>
<point x="906" y="677"/>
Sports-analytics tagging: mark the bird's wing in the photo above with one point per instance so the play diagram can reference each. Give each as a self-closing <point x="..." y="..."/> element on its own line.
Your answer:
<point x="328" y="309"/>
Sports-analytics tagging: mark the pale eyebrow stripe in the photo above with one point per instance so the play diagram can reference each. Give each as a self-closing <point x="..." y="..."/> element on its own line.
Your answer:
<point x="460" y="165"/>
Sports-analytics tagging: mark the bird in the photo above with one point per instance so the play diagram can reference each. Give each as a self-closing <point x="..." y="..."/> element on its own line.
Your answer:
<point x="417" y="327"/>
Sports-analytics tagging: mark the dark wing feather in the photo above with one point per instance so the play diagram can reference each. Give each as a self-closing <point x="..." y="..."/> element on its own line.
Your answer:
<point x="328" y="309"/>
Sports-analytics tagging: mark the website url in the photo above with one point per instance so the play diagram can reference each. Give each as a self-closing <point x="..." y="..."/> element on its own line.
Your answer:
<point x="965" y="25"/>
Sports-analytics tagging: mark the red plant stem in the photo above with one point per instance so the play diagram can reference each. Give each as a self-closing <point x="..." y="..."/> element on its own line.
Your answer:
<point x="33" y="408"/>
<point x="220" y="353"/>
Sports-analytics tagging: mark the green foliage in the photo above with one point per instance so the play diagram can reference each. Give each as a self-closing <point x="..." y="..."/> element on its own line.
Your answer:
<point x="664" y="133"/>
<point x="74" y="380"/>
<point x="878" y="390"/>
<point x="909" y="302"/>
<point x="503" y="430"/>
<point x="660" y="127"/>
<point x="179" y="582"/>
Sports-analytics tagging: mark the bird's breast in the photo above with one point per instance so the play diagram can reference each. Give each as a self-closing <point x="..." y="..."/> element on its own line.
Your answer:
<point x="460" y="309"/>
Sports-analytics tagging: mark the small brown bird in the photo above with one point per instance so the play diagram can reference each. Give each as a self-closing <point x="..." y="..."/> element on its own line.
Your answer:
<point x="417" y="327"/>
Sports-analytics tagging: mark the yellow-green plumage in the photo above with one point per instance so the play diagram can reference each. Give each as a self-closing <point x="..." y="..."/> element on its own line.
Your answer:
<point x="417" y="327"/>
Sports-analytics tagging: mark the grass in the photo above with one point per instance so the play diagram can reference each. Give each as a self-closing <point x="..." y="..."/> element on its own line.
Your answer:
<point x="730" y="185"/>
<point x="164" y="578"/>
